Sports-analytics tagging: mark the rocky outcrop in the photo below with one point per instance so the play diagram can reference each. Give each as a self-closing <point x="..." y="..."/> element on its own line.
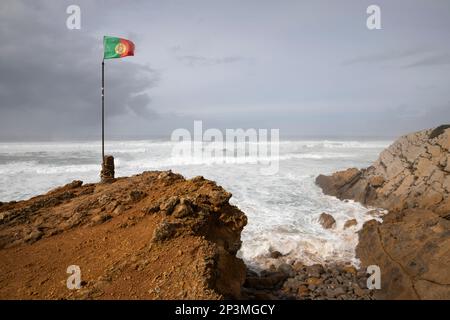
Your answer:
<point x="412" y="249"/>
<point x="414" y="172"/>
<point x="411" y="179"/>
<point x="155" y="235"/>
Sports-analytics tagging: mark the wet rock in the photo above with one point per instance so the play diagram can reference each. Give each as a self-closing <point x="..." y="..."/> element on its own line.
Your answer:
<point x="336" y="281"/>
<point x="314" y="281"/>
<point x="291" y="284"/>
<point x="350" y="269"/>
<point x="286" y="269"/>
<point x="359" y="291"/>
<point x="333" y="293"/>
<point x="331" y="184"/>
<point x="303" y="291"/>
<point x="315" y="270"/>
<point x="312" y="287"/>
<point x="350" y="223"/>
<point x="275" y="254"/>
<point x="327" y="221"/>
<point x="269" y="281"/>
<point x="298" y="266"/>
<point x="362" y="282"/>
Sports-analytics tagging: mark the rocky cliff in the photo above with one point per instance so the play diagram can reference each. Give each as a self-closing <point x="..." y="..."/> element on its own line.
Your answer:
<point x="412" y="173"/>
<point x="151" y="236"/>
<point x="411" y="179"/>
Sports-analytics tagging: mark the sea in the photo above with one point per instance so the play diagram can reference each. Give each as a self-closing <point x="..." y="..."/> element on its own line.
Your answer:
<point x="283" y="208"/>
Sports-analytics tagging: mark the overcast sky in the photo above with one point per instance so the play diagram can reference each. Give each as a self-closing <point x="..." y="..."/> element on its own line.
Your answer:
<point x="309" y="68"/>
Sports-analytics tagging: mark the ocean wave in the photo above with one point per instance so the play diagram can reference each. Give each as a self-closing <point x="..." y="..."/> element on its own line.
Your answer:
<point x="282" y="209"/>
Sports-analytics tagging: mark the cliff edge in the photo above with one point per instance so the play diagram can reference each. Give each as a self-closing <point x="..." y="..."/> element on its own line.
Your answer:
<point x="154" y="235"/>
<point x="411" y="179"/>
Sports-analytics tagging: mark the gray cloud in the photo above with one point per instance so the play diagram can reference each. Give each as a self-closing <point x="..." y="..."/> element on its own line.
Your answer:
<point x="138" y="104"/>
<point x="193" y="60"/>
<point x="305" y="67"/>
<point x="434" y="60"/>
<point x="385" y="56"/>
<point x="50" y="77"/>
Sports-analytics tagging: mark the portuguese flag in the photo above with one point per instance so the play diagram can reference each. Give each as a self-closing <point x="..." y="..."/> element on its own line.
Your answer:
<point x="117" y="47"/>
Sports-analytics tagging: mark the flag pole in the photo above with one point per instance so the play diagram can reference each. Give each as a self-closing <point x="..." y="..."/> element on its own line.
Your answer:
<point x="103" y="111"/>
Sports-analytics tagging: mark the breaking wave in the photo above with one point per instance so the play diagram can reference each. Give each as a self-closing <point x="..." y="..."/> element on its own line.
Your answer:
<point x="282" y="209"/>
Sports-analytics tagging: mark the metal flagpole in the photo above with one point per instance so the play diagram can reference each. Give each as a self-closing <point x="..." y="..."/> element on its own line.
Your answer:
<point x="103" y="112"/>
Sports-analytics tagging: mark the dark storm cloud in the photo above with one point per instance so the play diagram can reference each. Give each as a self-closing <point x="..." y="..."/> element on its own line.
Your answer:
<point x="50" y="77"/>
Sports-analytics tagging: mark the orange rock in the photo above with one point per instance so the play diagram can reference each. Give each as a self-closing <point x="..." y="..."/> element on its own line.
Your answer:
<point x="194" y="256"/>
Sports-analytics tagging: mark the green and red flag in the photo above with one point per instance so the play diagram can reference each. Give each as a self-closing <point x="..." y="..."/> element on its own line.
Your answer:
<point x="117" y="47"/>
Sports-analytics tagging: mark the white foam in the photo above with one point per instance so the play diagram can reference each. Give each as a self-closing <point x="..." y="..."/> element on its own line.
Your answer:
<point x="282" y="209"/>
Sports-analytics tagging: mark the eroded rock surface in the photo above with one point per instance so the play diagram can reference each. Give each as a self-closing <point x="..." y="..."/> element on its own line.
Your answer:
<point x="155" y="235"/>
<point x="412" y="249"/>
<point x="411" y="179"/>
<point x="414" y="172"/>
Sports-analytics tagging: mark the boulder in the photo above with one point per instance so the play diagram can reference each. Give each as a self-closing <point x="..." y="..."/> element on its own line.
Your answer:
<point x="327" y="221"/>
<point x="350" y="223"/>
<point x="286" y="269"/>
<point x="275" y="254"/>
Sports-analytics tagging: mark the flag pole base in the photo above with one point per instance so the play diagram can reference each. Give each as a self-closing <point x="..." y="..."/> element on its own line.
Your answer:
<point x="107" y="173"/>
